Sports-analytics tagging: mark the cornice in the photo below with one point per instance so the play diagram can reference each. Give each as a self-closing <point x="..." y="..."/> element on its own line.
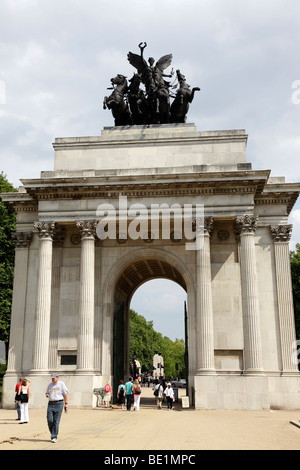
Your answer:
<point x="284" y="193"/>
<point x="254" y="182"/>
<point x="233" y="182"/>
<point x="20" y="201"/>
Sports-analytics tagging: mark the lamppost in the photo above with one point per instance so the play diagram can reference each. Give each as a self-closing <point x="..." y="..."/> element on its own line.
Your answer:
<point x="160" y="365"/>
<point x="134" y="365"/>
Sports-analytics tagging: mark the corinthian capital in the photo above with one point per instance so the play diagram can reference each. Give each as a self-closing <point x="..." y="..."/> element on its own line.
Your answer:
<point x="22" y="239"/>
<point x="245" y="224"/>
<point x="87" y="228"/>
<point x="281" y="233"/>
<point x="59" y="237"/>
<point x="46" y="229"/>
<point x="203" y="224"/>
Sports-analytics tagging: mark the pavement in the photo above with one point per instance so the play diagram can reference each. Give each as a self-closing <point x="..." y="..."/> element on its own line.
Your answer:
<point x="181" y="429"/>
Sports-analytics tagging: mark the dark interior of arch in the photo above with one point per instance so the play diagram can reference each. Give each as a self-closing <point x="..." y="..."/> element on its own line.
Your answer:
<point x="144" y="270"/>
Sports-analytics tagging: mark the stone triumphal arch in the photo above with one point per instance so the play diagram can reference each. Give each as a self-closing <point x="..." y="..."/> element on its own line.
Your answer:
<point x="72" y="287"/>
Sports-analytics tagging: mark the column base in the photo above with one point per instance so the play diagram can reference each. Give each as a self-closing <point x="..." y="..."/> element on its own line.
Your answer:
<point x="254" y="372"/>
<point x="290" y="373"/>
<point x="33" y="372"/>
<point x="84" y="372"/>
<point x="206" y="372"/>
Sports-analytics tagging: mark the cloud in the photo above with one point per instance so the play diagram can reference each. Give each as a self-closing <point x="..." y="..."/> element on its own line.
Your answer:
<point x="162" y="302"/>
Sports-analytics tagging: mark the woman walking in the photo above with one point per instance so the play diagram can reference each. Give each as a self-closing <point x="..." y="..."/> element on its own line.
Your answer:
<point x="121" y="394"/>
<point x="24" y="398"/>
<point x="107" y="396"/>
<point x="136" y="389"/>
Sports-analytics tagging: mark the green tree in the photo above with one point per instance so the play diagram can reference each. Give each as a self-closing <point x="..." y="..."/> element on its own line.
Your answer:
<point x="295" y="269"/>
<point x="144" y="341"/>
<point x="7" y="255"/>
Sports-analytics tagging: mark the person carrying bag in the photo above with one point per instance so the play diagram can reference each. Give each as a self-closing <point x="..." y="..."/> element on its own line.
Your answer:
<point x="24" y="399"/>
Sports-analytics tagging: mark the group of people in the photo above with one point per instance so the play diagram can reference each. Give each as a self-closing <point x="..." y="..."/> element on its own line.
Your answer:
<point x="161" y="391"/>
<point x="130" y="394"/>
<point x="57" y="394"/>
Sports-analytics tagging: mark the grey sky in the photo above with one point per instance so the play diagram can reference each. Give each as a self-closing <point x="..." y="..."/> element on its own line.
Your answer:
<point x="57" y="59"/>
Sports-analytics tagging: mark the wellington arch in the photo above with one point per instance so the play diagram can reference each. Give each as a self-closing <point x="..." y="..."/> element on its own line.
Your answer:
<point x="72" y="289"/>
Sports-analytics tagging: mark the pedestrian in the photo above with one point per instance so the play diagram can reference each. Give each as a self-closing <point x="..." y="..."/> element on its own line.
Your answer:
<point x="121" y="394"/>
<point x="136" y="395"/>
<point x="169" y="394"/>
<point x="24" y="399"/>
<point x="158" y="393"/>
<point x="129" y="394"/>
<point x="107" y="396"/>
<point x="57" y="393"/>
<point x="18" y="399"/>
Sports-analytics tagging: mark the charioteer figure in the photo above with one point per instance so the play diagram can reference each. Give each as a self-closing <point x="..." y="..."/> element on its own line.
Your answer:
<point x="131" y="105"/>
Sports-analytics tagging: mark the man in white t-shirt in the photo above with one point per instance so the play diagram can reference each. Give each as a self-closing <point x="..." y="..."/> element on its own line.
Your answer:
<point x="57" y="393"/>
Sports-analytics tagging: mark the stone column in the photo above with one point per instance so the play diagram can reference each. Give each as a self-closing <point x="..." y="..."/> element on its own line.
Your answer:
<point x="98" y="322"/>
<point x="204" y="314"/>
<point x="22" y="241"/>
<point x="43" y="304"/>
<point x="281" y="236"/>
<point x="245" y="229"/>
<point x="58" y="242"/>
<point x="85" y="347"/>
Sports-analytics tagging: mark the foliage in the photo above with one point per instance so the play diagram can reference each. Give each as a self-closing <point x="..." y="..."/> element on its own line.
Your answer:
<point x="144" y="341"/>
<point x="7" y="254"/>
<point x="295" y="269"/>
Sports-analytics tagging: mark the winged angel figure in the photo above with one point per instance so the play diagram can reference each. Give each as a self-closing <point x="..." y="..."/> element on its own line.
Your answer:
<point x="157" y="89"/>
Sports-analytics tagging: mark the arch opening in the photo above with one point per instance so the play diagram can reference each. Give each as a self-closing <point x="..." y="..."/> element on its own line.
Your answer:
<point x="133" y="276"/>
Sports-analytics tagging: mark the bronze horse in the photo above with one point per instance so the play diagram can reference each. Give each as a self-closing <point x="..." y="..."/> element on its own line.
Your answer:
<point x="183" y="98"/>
<point x="116" y="102"/>
<point x="137" y="101"/>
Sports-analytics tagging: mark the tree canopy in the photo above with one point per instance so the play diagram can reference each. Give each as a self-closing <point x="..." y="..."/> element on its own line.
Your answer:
<point x="295" y="269"/>
<point x="7" y="256"/>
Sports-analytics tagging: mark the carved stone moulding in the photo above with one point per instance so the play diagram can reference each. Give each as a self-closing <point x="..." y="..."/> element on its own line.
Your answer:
<point x="281" y="233"/>
<point x="59" y="237"/>
<point x="45" y="229"/>
<point x="204" y="224"/>
<point x="22" y="239"/>
<point x="87" y="228"/>
<point x="245" y="224"/>
<point x="223" y="235"/>
<point x="75" y="239"/>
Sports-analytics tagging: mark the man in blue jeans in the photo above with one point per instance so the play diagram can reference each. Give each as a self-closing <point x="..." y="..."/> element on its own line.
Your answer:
<point x="57" y="393"/>
<point x="129" y="393"/>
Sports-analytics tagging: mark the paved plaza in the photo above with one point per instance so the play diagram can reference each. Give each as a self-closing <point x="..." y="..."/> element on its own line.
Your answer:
<point x="151" y="429"/>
